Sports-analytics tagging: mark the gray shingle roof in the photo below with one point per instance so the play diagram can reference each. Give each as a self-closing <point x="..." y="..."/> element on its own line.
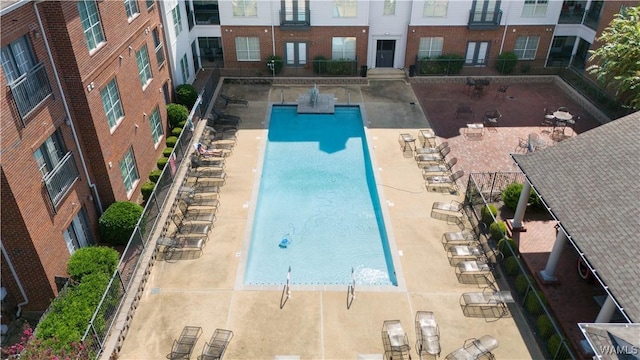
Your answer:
<point x="592" y="184"/>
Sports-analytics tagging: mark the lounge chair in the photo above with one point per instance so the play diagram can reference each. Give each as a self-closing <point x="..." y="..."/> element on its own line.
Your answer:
<point x="233" y="100"/>
<point x="222" y="117"/>
<point x="183" y="346"/>
<point x="427" y="335"/>
<point x="204" y="216"/>
<point x="478" y="272"/>
<point x="217" y="345"/>
<point x="458" y="238"/>
<point x="451" y="212"/>
<point x="395" y="340"/>
<point x="436" y="183"/>
<point x="186" y="228"/>
<point x="459" y="253"/>
<point x="407" y="141"/>
<point x="475" y="349"/>
<point x="424" y="160"/>
<point x="439" y="168"/>
<point x="488" y="304"/>
<point x="427" y="137"/>
<point x="432" y="150"/>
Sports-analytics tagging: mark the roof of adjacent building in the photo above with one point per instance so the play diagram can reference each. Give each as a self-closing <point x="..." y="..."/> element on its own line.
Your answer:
<point x="591" y="185"/>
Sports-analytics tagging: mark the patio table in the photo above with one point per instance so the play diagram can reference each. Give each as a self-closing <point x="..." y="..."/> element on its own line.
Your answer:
<point x="464" y="109"/>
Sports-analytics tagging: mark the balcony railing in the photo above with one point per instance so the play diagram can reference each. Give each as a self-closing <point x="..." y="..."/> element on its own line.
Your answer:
<point x="484" y="20"/>
<point x="295" y="19"/>
<point x="160" y="54"/>
<point x="60" y="180"/>
<point x="30" y="89"/>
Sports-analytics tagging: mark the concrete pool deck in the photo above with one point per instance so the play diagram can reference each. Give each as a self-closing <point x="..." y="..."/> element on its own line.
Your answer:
<point x="316" y="324"/>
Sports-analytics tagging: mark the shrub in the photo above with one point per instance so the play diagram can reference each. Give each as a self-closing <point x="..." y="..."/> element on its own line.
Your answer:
<point x="504" y="248"/>
<point x="118" y="221"/>
<point x="506" y="62"/>
<point x="147" y="189"/>
<point x="186" y="95"/>
<point x="340" y="67"/>
<point x="277" y="64"/>
<point x="167" y="152"/>
<point x="171" y="141"/>
<point x="162" y="162"/>
<point x="522" y="283"/>
<point x="497" y="230"/>
<point x="531" y="303"/>
<point x="447" y="64"/>
<point x="511" y="196"/>
<point x="544" y="326"/>
<point x="176" y="113"/>
<point x="176" y="131"/>
<point x="319" y="63"/>
<point x="486" y="214"/>
<point x="555" y="348"/>
<point x="91" y="260"/>
<point x="511" y="265"/>
<point x="182" y="123"/>
<point x="154" y="175"/>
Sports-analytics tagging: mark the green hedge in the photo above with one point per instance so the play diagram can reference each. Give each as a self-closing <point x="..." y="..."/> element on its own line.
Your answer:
<point x="447" y="64"/>
<point x="522" y="283"/>
<point x="511" y="265"/>
<point x="532" y="304"/>
<point x="186" y="95"/>
<point x="504" y="248"/>
<point x="176" y="114"/>
<point x="147" y="190"/>
<point x="544" y="326"/>
<point x="171" y="141"/>
<point x="498" y="230"/>
<point x="511" y="196"/>
<point x="556" y="350"/>
<point x="506" y="62"/>
<point x="162" y="162"/>
<point x="118" y="222"/>
<point x="176" y="131"/>
<point x="167" y="152"/>
<point x="486" y="214"/>
<point x="154" y="175"/>
<point x="92" y="259"/>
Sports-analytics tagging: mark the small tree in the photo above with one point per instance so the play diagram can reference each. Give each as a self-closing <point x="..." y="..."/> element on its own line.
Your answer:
<point x="186" y="95"/>
<point x="118" y="221"/>
<point x="176" y="114"/>
<point x="506" y="62"/>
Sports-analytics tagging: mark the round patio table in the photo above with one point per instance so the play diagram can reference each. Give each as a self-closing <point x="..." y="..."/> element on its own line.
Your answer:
<point x="562" y="115"/>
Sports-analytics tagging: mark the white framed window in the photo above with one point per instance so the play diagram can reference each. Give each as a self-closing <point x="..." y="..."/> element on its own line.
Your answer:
<point x="156" y="125"/>
<point x="144" y="68"/>
<point x="435" y="8"/>
<point x="389" y="7"/>
<point x="49" y="154"/>
<point x="248" y="49"/>
<point x="245" y="7"/>
<point x="17" y="59"/>
<point x="343" y="48"/>
<point x="78" y="234"/>
<point x="131" y="6"/>
<point x="112" y="104"/>
<point x="535" y="8"/>
<point x="129" y="171"/>
<point x="157" y="43"/>
<point x="184" y="68"/>
<point x="90" y="19"/>
<point x="430" y="47"/>
<point x="177" y="19"/>
<point x="345" y="8"/>
<point x="526" y="46"/>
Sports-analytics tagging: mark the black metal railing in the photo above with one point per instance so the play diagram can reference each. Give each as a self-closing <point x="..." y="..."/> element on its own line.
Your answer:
<point x="60" y="180"/>
<point x="484" y="20"/>
<point x="160" y="54"/>
<point x="30" y="89"/>
<point x="295" y="19"/>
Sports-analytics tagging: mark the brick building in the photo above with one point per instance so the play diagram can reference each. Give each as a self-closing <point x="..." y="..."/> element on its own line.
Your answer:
<point x="84" y="89"/>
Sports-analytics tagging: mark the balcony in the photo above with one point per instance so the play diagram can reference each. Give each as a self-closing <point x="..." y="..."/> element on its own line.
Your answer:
<point x="60" y="180"/>
<point x="160" y="55"/>
<point x="484" y="20"/>
<point x="30" y="89"/>
<point x="295" y="20"/>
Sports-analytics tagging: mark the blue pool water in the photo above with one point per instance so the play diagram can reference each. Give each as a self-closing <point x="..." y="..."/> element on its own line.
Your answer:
<point x="317" y="190"/>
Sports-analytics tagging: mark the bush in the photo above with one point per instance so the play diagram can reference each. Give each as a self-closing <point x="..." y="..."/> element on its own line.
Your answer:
<point x="171" y="141"/>
<point x="176" y="131"/>
<point x="162" y="162"/>
<point x="154" y="175"/>
<point x="176" y="114"/>
<point x="167" y="152"/>
<point x="544" y="326"/>
<point x="486" y="214"/>
<point x="506" y="62"/>
<point x="504" y="248"/>
<point x="319" y="64"/>
<point x="340" y="67"/>
<point x="511" y="196"/>
<point x="497" y="230"/>
<point x="448" y="64"/>
<point x="91" y="260"/>
<point x="555" y="348"/>
<point x="511" y="265"/>
<point x="522" y="283"/>
<point x="118" y="221"/>
<point x="277" y="64"/>
<point x="182" y="123"/>
<point x="532" y="304"/>
<point x="186" y="95"/>
<point x="147" y="189"/>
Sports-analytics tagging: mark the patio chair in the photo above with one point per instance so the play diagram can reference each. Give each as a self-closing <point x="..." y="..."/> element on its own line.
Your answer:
<point x="488" y="304"/>
<point x="439" y="168"/>
<point x="223" y="117"/>
<point x="502" y="91"/>
<point x="451" y="212"/>
<point x="407" y="141"/>
<point x="183" y="346"/>
<point x="209" y="152"/>
<point x="491" y="119"/>
<point x="233" y="100"/>
<point x="523" y="146"/>
<point x="205" y="216"/>
<point x="432" y="150"/>
<point x="200" y="201"/>
<point x="189" y="229"/>
<point x="395" y="340"/>
<point x="460" y="253"/>
<point x="217" y="345"/>
<point x="427" y="137"/>
<point x="458" y="238"/>
<point x="427" y="334"/>
<point x="548" y="120"/>
<point x="479" y="272"/>
<point x="475" y="349"/>
<point x="425" y="160"/>
<point x="469" y="85"/>
<point x="215" y="135"/>
<point x="437" y="183"/>
<point x="222" y="124"/>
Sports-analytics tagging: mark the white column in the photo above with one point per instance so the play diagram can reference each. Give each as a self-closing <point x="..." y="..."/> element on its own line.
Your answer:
<point x="607" y="310"/>
<point x="522" y="205"/>
<point x="548" y="274"/>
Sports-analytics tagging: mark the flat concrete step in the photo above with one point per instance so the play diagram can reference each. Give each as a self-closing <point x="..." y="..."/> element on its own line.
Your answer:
<point x="386" y="74"/>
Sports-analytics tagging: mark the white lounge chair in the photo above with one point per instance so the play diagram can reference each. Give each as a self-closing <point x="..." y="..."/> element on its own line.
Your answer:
<point x="436" y="183"/>
<point x="428" y="335"/>
<point x="475" y="349"/>
<point x="486" y="304"/>
<point x="395" y="340"/>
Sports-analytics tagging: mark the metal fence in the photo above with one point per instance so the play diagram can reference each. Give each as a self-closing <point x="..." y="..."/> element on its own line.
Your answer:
<point x="484" y="189"/>
<point x="278" y="68"/>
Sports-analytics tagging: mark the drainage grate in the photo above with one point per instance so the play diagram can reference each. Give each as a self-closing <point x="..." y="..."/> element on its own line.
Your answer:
<point x="511" y="97"/>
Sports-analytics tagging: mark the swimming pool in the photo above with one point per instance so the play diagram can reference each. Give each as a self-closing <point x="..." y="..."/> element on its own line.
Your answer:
<point x="317" y="190"/>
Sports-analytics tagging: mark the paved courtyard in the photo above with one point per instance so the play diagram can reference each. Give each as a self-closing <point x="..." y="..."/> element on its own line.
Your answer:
<point x="315" y="323"/>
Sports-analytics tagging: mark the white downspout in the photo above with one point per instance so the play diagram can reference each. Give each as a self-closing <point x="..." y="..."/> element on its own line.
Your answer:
<point x="67" y="112"/>
<point x="506" y="26"/>
<point x="15" y="276"/>
<point x="273" y="35"/>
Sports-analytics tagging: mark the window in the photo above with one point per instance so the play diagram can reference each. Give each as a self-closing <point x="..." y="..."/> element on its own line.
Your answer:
<point x="526" y="47"/>
<point x="112" y="104"/>
<point x="91" y="23"/>
<point x="158" y="47"/>
<point x="129" y="171"/>
<point x="206" y="12"/>
<point x="17" y="59"/>
<point x="535" y="8"/>
<point x="345" y="8"/>
<point x="49" y="154"/>
<point x="435" y="8"/>
<point x="343" y="48"/>
<point x="165" y="93"/>
<point x="248" y="49"/>
<point x="144" y="69"/>
<point x="150" y="3"/>
<point x="184" y="67"/>
<point x="389" y="7"/>
<point x="190" y="21"/>
<point x="177" y="19"/>
<point x="430" y="47"/>
<point x="294" y="11"/>
<point x="245" y="8"/>
<point x="78" y="234"/>
<point x="156" y="125"/>
<point x="131" y="6"/>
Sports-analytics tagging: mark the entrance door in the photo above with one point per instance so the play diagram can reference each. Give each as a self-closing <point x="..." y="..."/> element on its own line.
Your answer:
<point x="477" y="53"/>
<point x="384" y="53"/>
<point x="296" y="54"/>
